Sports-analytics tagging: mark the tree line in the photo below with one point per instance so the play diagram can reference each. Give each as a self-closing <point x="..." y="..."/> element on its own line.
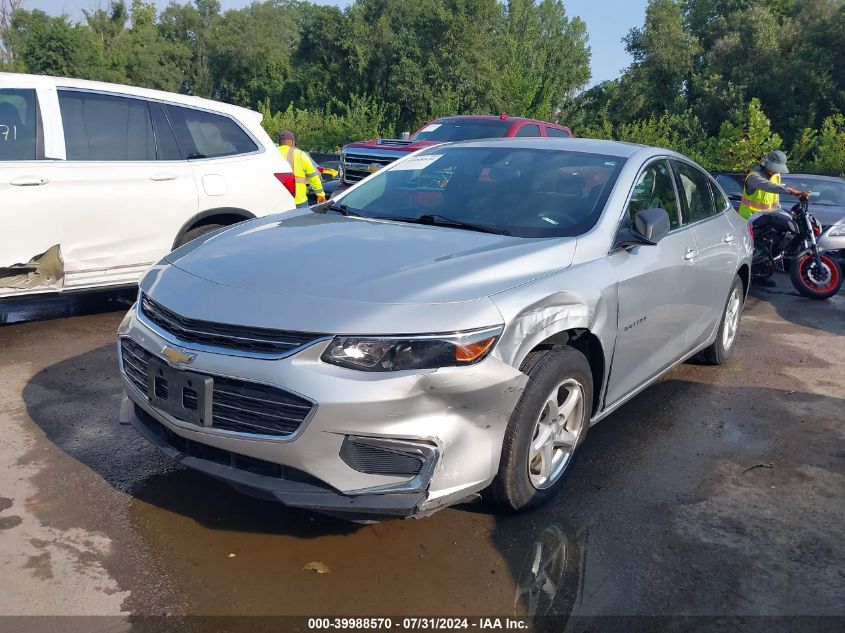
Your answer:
<point x="720" y="80"/>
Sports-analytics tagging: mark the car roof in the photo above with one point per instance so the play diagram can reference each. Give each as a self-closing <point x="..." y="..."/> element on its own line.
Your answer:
<point x="816" y="177"/>
<point x="807" y="176"/>
<point x="494" y="117"/>
<point x="586" y="145"/>
<point x="13" y="80"/>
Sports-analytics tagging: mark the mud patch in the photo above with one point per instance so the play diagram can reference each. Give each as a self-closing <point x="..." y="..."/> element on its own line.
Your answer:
<point x="40" y="565"/>
<point x="9" y="522"/>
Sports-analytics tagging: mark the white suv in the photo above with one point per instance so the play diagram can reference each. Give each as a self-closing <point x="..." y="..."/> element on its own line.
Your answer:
<point x="98" y="181"/>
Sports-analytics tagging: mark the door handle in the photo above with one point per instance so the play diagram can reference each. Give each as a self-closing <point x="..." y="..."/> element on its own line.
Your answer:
<point x="29" y="181"/>
<point x="729" y="238"/>
<point x="163" y="175"/>
<point x="690" y="254"/>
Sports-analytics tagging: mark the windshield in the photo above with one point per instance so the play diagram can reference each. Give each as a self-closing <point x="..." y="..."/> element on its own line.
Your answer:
<point x="462" y="130"/>
<point x="510" y="190"/>
<point x="829" y="193"/>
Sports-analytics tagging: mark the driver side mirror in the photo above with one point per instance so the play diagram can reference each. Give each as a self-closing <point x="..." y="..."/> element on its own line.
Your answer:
<point x="650" y="226"/>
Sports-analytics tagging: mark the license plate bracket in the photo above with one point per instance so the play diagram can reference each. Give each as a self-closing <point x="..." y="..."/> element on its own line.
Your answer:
<point x="183" y="394"/>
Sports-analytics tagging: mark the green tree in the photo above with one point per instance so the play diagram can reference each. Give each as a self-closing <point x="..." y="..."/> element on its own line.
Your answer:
<point x="54" y="46"/>
<point x="190" y="27"/>
<point x="663" y="52"/>
<point x="743" y="143"/>
<point x="544" y="58"/>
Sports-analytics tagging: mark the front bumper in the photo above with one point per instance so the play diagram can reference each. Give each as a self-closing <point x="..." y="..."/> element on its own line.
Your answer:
<point x="454" y="418"/>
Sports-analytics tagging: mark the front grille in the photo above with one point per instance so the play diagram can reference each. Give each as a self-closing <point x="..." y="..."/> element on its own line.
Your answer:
<point x="358" y="166"/>
<point x="236" y="405"/>
<point x="373" y="460"/>
<point x="242" y="338"/>
<point x="223" y="457"/>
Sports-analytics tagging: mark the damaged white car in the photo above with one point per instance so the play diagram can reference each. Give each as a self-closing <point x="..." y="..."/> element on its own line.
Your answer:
<point x="451" y="325"/>
<point x="98" y="181"/>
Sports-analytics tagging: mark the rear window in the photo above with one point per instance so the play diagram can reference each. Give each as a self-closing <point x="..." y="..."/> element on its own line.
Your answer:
<point x="731" y="184"/>
<point x="18" y="123"/>
<point x="202" y="134"/>
<point x="554" y="132"/>
<point x="462" y="130"/>
<point x="523" y="192"/>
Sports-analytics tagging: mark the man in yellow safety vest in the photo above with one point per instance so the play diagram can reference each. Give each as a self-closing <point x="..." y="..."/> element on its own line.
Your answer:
<point x="303" y="168"/>
<point x="762" y="188"/>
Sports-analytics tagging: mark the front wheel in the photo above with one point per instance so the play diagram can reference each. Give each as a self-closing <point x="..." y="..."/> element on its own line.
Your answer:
<point x="545" y="429"/>
<point x="813" y="281"/>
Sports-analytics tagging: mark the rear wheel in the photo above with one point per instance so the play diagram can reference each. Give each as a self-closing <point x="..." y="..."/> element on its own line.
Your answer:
<point x="195" y="232"/>
<point x="813" y="281"/>
<point x="545" y="429"/>
<point x="721" y="348"/>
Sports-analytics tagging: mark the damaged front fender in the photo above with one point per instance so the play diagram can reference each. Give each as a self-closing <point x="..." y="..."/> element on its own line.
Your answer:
<point x="42" y="271"/>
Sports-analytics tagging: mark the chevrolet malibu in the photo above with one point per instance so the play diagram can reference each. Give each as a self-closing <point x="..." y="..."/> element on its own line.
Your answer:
<point x="451" y="325"/>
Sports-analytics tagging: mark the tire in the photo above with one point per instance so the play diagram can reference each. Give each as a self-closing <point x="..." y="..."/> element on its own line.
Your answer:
<point x="195" y="232"/>
<point x="812" y="285"/>
<point x="721" y="349"/>
<point x="558" y="374"/>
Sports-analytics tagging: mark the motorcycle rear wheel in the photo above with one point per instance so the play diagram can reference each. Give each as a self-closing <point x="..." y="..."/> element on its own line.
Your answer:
<point x="815" y="283"/>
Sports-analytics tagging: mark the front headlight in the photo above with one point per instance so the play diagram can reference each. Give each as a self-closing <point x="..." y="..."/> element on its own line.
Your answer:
<point x="398" y="353"/>
<point x="837" y="231"/>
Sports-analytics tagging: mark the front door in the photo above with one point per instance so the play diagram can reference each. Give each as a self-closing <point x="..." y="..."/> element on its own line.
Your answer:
<point x="655" y="285"/>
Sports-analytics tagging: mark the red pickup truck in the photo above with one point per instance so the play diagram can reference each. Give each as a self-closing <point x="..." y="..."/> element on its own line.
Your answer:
<point x="358" y="160"/>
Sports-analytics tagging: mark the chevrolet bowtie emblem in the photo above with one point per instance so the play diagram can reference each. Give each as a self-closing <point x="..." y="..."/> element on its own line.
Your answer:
<point x="373" y="168"/>
<point x="176" y="356"/>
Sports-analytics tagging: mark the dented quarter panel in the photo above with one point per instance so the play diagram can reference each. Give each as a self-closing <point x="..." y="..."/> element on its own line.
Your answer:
<point x="580" y="297"/>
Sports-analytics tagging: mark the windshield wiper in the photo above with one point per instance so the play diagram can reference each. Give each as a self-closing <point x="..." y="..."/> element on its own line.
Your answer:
<point x="442" y="220"/>
<point x="343" y="209"/>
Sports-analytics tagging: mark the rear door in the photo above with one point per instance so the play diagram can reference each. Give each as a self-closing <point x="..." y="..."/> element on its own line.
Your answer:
<point x="229" y="165"/>
<point x="124" y="189"/>
<point x="716" y="255"/>
<point x="655" y="285"/>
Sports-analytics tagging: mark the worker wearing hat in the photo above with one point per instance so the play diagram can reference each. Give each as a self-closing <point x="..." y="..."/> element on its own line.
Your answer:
<point x="762" y="188"/>
<point x="304" y="170"/>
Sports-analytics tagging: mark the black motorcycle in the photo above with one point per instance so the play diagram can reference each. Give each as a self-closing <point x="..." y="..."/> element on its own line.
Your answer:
<point x="793" y="238"/>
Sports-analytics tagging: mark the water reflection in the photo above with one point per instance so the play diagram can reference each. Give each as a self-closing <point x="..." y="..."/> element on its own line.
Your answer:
<point x="550" y="579"/>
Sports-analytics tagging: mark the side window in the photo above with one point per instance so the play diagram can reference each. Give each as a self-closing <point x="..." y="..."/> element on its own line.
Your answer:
<point x="529" y="130"/>
<point x="166" y="146"/>
<point x="203" y="134"/>
<point x="654" y="189"/>
<point x="554" y="132"/>
<point x="719" y="198"/>
<point x="696" y="195"/>
<point x="18" y="124"/>
<point x="106" y="127"/>
<point x="731" y="184"/>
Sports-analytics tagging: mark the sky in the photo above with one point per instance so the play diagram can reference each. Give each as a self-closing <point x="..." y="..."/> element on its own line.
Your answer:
<point x="607" y="23"/>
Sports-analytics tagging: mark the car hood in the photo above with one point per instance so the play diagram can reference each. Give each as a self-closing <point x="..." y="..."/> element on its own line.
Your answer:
<point x="390" y="144"/>
<point x="827" y="214"/>
<point x="310" y="254"/>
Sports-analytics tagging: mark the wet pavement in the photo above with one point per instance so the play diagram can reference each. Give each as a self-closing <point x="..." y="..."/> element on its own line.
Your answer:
<point x="718" y="491"/>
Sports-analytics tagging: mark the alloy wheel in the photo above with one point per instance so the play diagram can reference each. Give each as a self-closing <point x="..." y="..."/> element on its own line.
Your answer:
<point x="731" y="326"/>
<point x="558" y="430"/>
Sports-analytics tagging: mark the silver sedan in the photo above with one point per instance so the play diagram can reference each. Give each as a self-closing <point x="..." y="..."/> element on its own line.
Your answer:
<point x="451" y="325"/>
